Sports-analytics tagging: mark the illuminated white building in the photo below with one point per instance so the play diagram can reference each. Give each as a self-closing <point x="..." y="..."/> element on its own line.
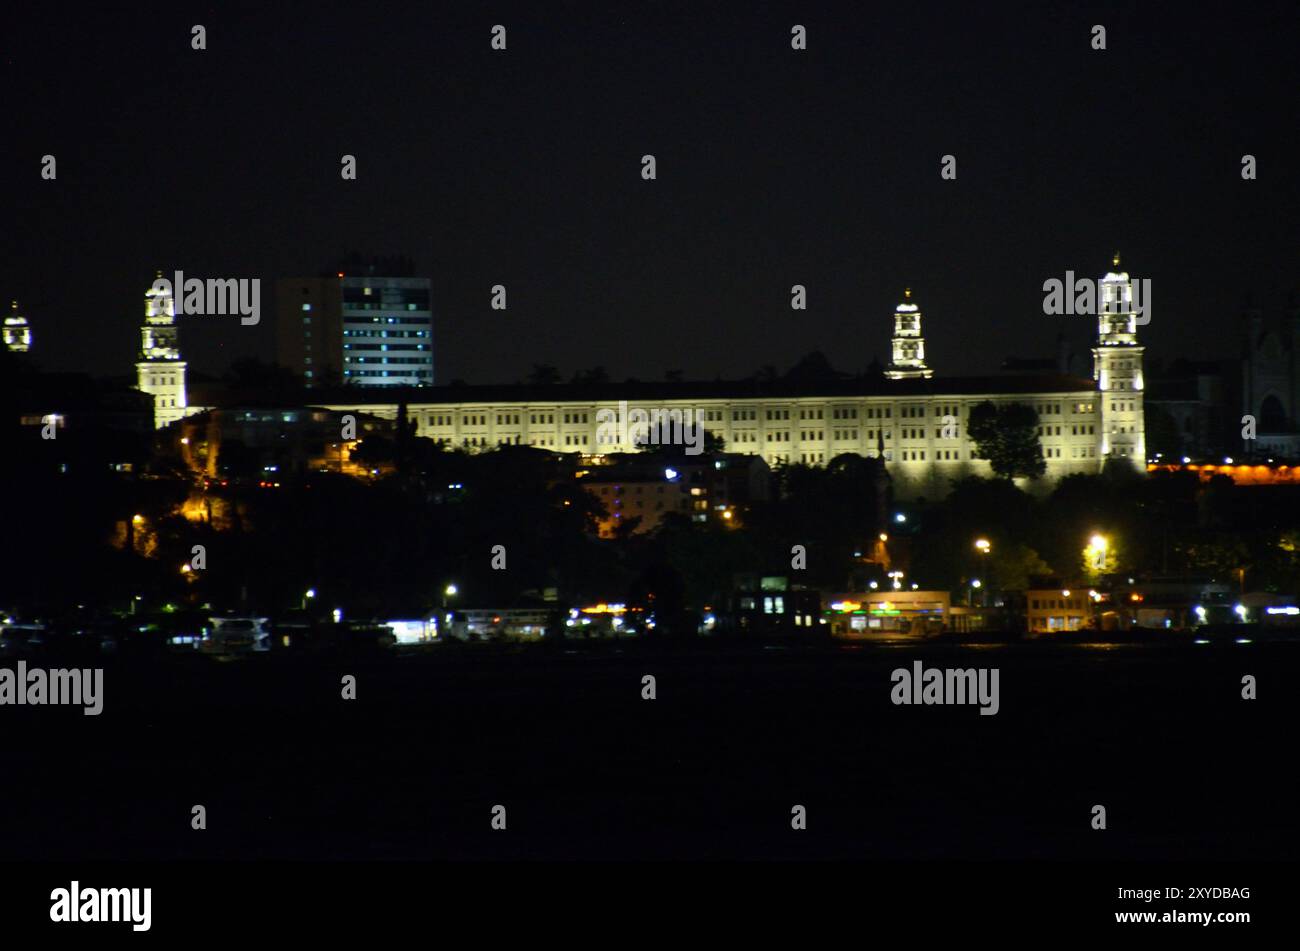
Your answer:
<point x="900" y="417"/>
<point x="161" y="371"/>
<point x="18" y="334"/>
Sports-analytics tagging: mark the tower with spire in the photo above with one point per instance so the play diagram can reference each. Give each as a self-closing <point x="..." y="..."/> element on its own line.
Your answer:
<point x="160" y="369"/>
<point x="1117" y="370"/>
<point x="18" y="334"/>
<point x="908" y="361"/>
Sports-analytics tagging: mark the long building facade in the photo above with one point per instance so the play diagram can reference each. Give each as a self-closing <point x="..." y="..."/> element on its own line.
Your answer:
<point x="914" y="420"/>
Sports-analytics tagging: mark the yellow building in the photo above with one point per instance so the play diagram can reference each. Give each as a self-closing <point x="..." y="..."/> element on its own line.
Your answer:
<point x="1050" y="610"/>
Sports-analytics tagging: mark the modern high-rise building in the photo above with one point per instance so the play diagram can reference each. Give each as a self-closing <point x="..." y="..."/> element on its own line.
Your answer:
<point x="360" y="329"/>
<point x="18" y="334"/>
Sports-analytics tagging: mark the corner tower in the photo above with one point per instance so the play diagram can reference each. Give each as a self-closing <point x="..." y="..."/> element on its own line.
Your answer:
<point x="1117" y="369"/>
<point x="160" y="369"/>
<point x="908" y="361"/>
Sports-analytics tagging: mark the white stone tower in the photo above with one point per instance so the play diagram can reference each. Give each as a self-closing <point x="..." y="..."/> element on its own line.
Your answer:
<point x="1117" y="368"/>
<point x="161" y="369"/>
<point x="909" y="346"/>
<point x="18" y="334"/>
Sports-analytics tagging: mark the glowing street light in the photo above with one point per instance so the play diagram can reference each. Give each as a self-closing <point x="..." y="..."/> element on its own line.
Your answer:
<point x="1098" y="545"/>
<point x="982" y="545"/>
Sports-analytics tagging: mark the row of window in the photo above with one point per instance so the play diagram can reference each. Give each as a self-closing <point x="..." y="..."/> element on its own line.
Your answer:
<point x="388" y="360"/>
<point x="840" y="412"/>
<point x="400" y="347"/>
<point x="350" y="307"/>
<point x="911" y="411"/>
<point x="385" y="320"/>
<point x="381" y="334"/>
<point x="426" y="374"/>
<point x="806" y="435"/>
<point x="1048" y="604"/>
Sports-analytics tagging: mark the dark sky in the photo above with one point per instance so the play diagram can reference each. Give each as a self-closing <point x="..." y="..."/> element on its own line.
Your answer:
<point x="775" y="167"/>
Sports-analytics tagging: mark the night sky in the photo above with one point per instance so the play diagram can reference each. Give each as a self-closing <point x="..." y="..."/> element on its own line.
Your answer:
<point x="775" y="167"/>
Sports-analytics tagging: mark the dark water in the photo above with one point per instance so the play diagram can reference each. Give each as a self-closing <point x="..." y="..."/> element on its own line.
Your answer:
<point x="286" y="769"/>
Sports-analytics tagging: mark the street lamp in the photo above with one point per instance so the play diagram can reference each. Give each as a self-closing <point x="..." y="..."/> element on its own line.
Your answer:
<point x="448" y="592"/>
<point x="1098" y="544"/>
<point x="983" y="546"/>
<point x="307" y="596"/>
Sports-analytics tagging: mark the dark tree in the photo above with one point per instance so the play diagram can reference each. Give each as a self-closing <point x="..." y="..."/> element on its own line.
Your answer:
<point x="544" y="373"/>
<point x="812" y="368"/>
<point x="1007" y="436"/>
<point x="594" y="375"/>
